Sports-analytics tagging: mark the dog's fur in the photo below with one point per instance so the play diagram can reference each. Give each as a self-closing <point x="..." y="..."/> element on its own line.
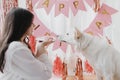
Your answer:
<point x="102" y="56"/>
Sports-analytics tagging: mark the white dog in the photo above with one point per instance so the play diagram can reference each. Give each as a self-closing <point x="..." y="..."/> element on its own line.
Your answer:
<point x="102" y="56"/>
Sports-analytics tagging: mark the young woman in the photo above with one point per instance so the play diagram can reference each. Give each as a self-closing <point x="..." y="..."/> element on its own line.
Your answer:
<point x="16" y="59"/>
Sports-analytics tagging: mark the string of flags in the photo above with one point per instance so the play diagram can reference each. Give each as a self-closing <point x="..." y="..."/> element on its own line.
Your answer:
<point x="63" y="6"/>
<point x="102" y="20"/>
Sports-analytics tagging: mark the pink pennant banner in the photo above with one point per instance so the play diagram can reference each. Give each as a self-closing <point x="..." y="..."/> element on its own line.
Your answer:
<point x="47" y="4"/>
<point x="107" y="10"/>
<point x="41" y="30"/>
<point x="98" y="24"/>
<point x="61" y="45"/>
<point x="61" y="6"/>
<point x="105" y="19"/>
<point x="81" y="5"/>
<point x="75" y="5"/>
<point x="102" y="20"/>
<point x="93" y="30"/>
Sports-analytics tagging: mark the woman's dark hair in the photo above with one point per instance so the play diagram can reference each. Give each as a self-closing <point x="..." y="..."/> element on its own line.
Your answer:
<point x="17" y="22"/>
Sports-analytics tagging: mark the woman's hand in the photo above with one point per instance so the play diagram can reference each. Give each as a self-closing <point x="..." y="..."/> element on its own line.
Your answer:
<point x="41" y="46"/>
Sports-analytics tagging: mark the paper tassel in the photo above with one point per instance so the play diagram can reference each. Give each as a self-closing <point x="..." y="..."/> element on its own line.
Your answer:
<point x="41" y="30"/>
<point x="32" y="43"/>
<point x="57" y="66"/>
<point x="79" y="69"/>
<point x="88" y="68"/>
<point x="64" y="71"/>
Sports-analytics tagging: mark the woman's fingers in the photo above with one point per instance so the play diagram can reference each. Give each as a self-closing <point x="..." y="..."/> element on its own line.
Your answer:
<point x="48" y="42"/>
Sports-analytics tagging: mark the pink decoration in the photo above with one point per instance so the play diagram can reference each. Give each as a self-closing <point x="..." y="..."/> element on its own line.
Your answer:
<point x="32" y="43"/>
<point x="102" y="20"/>
<point x="75" y="5"/>
<point x="57" y="66"/>
<point x="88" y="68"/>
<point x="47" y="4"/>
<point x="94" y="29"/>
<point x="64" y="71"/>
<point x="41" y="30"/>
<point x="61" y="45"/>
<point x="79" y="69"/>
<point x="96" y="5"/>
<point x="105" y="19"/>
<point x="81" y="5"/>
<point x="61" y="6"/>
<point x="106" y="10"/>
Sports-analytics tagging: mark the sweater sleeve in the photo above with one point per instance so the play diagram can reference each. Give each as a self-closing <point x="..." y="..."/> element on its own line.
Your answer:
<point x="30" y="68"/>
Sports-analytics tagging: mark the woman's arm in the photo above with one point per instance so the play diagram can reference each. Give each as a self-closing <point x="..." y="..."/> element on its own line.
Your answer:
<point x="28" y="67"/>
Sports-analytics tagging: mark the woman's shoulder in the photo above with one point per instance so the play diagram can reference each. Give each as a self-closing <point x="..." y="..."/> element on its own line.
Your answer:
<point x="15" y="45"/>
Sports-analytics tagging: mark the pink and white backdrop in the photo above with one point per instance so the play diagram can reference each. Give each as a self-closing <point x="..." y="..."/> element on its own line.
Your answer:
<point x="61" y="16"/>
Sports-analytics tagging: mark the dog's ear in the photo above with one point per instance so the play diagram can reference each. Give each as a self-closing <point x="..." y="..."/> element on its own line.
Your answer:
<point x="78" y="34"/>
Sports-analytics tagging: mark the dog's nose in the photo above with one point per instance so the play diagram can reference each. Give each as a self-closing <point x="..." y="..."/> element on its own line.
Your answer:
<point x="57" y="36"/>
<point x="63" y="41"/>
<point x="67" y="33"/>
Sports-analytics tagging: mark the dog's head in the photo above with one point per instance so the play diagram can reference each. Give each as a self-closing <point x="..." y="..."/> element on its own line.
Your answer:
<point x="71" y="38"/>
<point x="77" y="38"/>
